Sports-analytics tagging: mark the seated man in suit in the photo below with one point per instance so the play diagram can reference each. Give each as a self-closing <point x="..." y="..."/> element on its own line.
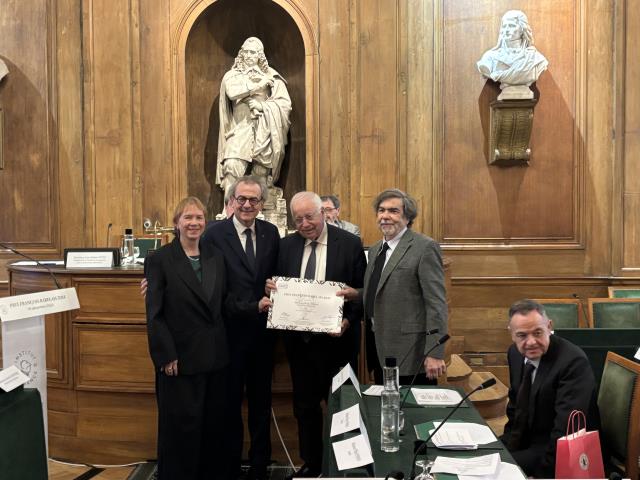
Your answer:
<point x="549" y="377"/>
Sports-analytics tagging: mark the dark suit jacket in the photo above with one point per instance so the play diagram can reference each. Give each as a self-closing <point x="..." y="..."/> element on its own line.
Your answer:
<point x="345" y="263"/>
<point x="246" y="284"/>
<point x="564" y="382"/>
<point x="184" y="316"/>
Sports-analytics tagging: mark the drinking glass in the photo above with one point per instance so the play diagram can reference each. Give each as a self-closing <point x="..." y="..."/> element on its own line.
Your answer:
<point x="426" y="465"/>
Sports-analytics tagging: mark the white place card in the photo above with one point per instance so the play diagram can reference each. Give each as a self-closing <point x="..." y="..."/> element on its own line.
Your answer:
<point x="11" y="378"/>
<point x="90" y="259"/>
<point x="40" y="303"/>
<point x="342" y="376"/>
<point x="352" y="452"/>
<point x="346" y="420"/>
<point x="637" y="355"/>
<point x="374" y="390"/>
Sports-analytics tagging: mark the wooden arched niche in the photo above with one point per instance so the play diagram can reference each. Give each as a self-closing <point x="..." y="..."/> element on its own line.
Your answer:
<point x="211" y="47"/>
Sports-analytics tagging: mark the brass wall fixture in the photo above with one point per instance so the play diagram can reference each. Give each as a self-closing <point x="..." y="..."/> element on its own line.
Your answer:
<point x="511" y="123"/>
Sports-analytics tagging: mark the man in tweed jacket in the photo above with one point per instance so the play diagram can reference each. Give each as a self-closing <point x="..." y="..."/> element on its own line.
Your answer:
<point x="410" y="296"/>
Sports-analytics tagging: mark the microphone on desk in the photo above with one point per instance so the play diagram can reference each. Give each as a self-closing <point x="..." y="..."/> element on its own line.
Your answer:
<point x="439" y="342"/>
<point x="109" y="233"/>
<point x="17" y="252"/>
<point x="486" y="384"/>
<point x="406" y="355"/>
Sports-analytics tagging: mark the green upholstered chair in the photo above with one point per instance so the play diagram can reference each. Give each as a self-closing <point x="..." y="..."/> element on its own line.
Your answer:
<point x="565" y="313"/>
<point x="598" y="342"/>
<point x="619" y="405"/>
<point x="614" y="313"/>
<point x="624" y="292"/>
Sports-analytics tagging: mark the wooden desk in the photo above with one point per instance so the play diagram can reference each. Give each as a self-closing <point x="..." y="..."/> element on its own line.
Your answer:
<point x="101" y="400"/>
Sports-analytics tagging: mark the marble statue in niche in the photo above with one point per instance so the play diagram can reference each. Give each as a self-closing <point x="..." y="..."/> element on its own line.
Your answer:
<point x="514" y="62"/>
<point x="254" y="119"/>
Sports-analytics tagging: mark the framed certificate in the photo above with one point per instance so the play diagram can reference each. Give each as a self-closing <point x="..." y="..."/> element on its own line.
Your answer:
<point x="306" y="305"/>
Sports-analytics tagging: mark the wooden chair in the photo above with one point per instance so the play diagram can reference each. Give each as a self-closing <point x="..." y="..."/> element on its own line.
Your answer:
<point x="624" y="292"/>
<point x="565" y="312"/>
<point x="619" y="405"/>
<point x="614" y="312"/>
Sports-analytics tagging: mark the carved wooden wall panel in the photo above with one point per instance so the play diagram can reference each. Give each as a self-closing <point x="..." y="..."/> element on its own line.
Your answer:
<point x="28" y="180"/>
<point x="629" y="43"/>
<point x="110" y="37"/>
<point x="489" y="204"/>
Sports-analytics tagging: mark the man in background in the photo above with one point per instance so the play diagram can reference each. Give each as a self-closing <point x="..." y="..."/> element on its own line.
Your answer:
<point x="331" y="210"/>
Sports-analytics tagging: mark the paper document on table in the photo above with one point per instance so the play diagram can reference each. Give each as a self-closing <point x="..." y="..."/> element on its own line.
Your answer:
<point x="11" y="377"/>
<point x="346" y="420"/>
<point x="352" y="452"/>
<point x="484" y="465"/>
<point x="637" y="355"/>
<point x="480" y="434"/>
<point x="505" y="471"/>
<point x="453" y="437"/>
<point x="374" y="390"/>
<point x="342" y="376"/>
<point x="436" y="396"/>
<point x="30" y="263"/>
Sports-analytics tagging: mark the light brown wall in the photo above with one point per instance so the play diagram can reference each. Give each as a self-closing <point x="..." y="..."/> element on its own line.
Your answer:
<point x="93" y="128"/>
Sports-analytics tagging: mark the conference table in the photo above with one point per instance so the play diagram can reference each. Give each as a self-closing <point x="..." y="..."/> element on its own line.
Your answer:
<point x="347" y="396"/>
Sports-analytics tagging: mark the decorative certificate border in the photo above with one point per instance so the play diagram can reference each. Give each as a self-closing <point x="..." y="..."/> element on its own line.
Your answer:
<point x="300" y="328"/>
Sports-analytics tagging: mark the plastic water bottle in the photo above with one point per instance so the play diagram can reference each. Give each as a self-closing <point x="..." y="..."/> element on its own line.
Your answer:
<point x="390" y="408"/>
<point x="128" y="250"/>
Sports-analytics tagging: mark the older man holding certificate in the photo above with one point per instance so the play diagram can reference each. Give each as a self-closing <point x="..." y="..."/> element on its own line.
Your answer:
<point x="316" y="260"/>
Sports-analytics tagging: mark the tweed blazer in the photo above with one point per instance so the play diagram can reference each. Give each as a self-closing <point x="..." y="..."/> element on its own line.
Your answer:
<point x="410" y="299"/>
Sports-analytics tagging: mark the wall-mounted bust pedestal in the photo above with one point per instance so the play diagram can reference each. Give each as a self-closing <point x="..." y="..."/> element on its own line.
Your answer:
<point x="511" y="123"/>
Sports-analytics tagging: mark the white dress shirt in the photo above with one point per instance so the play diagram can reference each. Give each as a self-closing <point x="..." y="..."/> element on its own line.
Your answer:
<point x="240" y="228"/>
<point x="321" y="255"/>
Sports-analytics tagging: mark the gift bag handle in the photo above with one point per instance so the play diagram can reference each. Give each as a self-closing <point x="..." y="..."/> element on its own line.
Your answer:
<point x="576" y="416"/>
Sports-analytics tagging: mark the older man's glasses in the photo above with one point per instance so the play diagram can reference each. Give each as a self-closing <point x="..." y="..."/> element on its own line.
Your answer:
<point x="253" y="201"/>
<point x="309" y="217"/>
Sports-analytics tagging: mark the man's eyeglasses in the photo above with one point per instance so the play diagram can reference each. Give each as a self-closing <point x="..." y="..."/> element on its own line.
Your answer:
<point x="253" y="201"/>
<point x="309" y="217"/>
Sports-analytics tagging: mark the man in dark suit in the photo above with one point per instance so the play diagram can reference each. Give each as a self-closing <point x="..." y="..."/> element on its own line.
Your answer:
<point x="549" y="378"/>
<point x="321" y="252"/>
<point x="250" y="248"/>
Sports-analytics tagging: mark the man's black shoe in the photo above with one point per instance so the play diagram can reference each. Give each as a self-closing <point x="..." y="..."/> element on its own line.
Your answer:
<point x="304" y="472"/>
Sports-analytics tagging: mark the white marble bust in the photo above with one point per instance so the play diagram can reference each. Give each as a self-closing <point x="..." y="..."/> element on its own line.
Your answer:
<point x="514" y="62"/>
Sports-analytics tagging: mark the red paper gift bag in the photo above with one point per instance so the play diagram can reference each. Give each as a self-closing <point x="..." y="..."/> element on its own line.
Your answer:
<point x="578" y="453"/>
